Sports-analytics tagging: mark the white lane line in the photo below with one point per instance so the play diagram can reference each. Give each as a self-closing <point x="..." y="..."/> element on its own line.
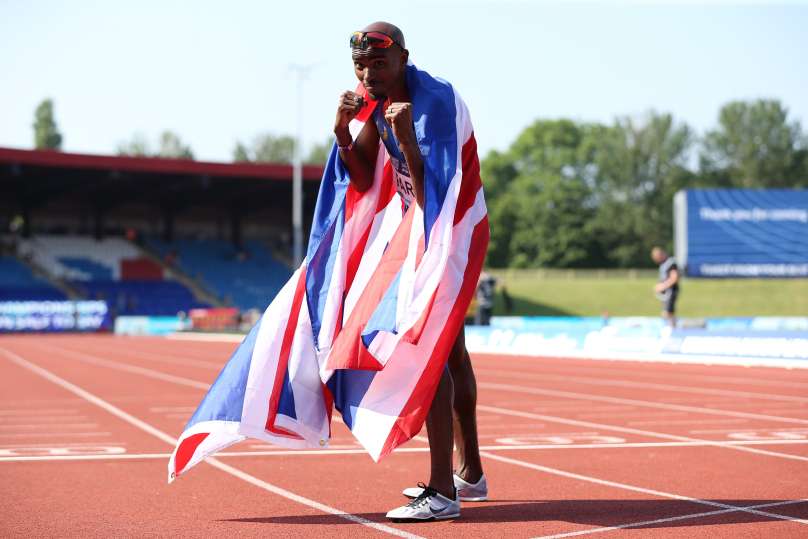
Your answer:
<point x="740" y="404"/>
<point x="727" y="361"/>
<point x="629" y="430"/>
<point x="638" y="413"/>
<point x="751" y="429"/>
<point x="142" y="425"/>
<point x="195" y="383"/>
<point x="611" y="370"/>
<point x="580" y="379"/>
<point x="162" y="358"/>
<point x="509" y="428"/>
<point x="125" y="367"/>
<point x="664" y="423"/>
<point x="784" y="410"/>
<point x="502" y="447"/>
<point x="643" y="385"/>
<point x="322" y="452"/>
<point x="669" y="519"/>
<point x="634" y="488"/>
<point x="576" y="407"/>
<point x="636" y="402"/>
<point x="311" y="503"/>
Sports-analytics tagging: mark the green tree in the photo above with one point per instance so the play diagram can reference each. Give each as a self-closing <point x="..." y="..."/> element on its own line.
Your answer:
<point x="172" y="147"/>
<point x="46" y="133"/>
<point x="637" y="167"/>
<point x="266" y="148"/>
<point x="169" y="146"/>
<point x="756" y="145"/>
<point x="552" y="225"/>
<point x="498" y="172"/>
<point x="138" y="146"/>
<point x="569" y="194"/>
<point x="240" y="153"/>
<point x="539" y="201"/>
<point x="318" y="154"/>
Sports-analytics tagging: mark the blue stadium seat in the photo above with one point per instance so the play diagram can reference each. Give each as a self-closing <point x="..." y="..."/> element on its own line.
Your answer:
<point x="155" y="298"/>
<point x="97" y="272"/>
<point x="18" y="283"/>
<point x="251" y="282"/>
<point x="94" y="269"/>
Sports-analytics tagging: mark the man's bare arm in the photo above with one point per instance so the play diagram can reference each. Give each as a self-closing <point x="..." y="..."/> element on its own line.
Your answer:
<point x="672" y="279"/>
<point x="399" y="116"/>
<point x="359" y="156"/>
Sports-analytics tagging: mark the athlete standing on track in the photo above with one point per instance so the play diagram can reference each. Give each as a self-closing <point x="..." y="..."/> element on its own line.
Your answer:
<point x="667" y="289"/>
<point x="380" y="60"/>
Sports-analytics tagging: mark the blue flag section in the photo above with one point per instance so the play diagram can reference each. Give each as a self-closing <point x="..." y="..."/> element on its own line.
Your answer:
<point x="754" y="233"/>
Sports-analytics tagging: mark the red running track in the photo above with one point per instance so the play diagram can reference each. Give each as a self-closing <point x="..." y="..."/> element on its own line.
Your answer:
<point x="571" y="447"/>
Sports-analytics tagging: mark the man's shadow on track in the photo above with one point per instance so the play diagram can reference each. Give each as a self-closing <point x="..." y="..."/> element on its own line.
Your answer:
<point x="590" y="512"/>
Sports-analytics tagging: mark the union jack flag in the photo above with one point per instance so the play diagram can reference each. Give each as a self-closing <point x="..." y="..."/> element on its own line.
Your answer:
<point x="365" y="325"/>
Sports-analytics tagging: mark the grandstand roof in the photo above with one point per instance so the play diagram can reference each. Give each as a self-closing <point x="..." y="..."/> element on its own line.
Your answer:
<point x="156" y="165"/>
<point x="40" y="181"/>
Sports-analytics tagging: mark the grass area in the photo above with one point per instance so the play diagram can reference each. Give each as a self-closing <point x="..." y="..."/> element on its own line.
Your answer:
<point x="630" y="293"/>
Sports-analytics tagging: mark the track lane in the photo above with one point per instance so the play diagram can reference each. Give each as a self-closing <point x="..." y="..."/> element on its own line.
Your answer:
<point x="127" y="366"/>
<point x="292" y="500"/>
<point x="492" y="422"/>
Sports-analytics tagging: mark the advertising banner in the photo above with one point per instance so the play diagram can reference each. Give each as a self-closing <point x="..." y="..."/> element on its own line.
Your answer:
<point x="39" y="316"/>
<point x="755" y="233"/>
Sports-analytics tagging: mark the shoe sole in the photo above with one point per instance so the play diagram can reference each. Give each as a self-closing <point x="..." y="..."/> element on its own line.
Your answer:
<point x="430" y="519"/>
<point x="461" y="498"/>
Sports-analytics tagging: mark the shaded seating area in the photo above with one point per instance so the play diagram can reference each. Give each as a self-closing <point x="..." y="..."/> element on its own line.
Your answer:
<point x="157" y="298"/>
<point x="245" y="278"/>
<point x="18" y="283"/>
<point x="112" y="269"/>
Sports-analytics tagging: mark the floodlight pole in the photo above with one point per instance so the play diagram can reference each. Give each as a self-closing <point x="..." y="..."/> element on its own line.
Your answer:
<point x="297" y="174"/>
<point x="301" y="72"/>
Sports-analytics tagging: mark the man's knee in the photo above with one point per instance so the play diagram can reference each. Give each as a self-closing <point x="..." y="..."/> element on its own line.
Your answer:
<point x="458" y="354"/>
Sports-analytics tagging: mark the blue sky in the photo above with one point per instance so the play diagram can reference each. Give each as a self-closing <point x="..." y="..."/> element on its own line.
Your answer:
<point x="217" y="72"/>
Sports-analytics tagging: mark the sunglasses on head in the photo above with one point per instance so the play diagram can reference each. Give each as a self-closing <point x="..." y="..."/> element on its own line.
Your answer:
<point x="371" y="40"/>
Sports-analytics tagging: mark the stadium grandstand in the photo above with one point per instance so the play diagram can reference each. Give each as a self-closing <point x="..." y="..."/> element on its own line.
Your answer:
<point x="147" y="236"/>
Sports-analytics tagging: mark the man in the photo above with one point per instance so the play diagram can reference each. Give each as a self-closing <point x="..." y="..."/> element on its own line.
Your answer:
<point x="485" y="299"/>
<point x="380" y="63"/>
<point x="667" y="289"/>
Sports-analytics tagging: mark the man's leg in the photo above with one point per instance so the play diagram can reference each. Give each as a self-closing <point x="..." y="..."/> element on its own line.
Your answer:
<point x="439" y="501"/>
<point x="439" y="431"/>
<point x="469" y="466"/>
<point x="669" y="312"/>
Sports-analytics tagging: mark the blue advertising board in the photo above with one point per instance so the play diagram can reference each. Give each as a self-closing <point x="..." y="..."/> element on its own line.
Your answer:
<point x="742" y="232"/>
<point x="42" y="316"/>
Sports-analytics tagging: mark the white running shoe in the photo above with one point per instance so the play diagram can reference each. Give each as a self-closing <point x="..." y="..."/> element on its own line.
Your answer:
<point x="429" y="505"/>
<point x="466" y="492"/>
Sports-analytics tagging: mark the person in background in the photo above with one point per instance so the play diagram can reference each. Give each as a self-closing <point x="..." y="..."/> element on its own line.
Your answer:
<point x="507" y="300"/>
<point x="667" y="289"/>
<point x="485" y="299"/>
